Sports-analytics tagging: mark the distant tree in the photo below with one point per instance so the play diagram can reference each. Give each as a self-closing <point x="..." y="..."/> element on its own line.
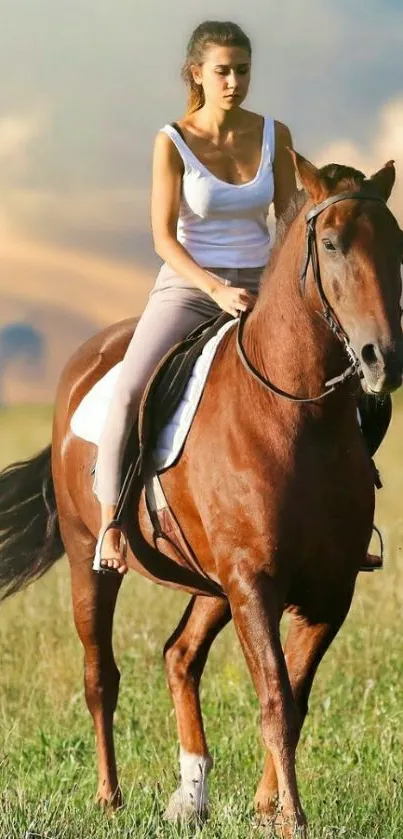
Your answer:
<point x="19" y="341"/>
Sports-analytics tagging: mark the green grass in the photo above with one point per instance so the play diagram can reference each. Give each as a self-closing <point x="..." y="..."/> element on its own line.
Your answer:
<point x="350" y="761"/>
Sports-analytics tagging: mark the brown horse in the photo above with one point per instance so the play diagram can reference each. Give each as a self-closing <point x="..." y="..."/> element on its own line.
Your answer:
<point x="274" y="490"/>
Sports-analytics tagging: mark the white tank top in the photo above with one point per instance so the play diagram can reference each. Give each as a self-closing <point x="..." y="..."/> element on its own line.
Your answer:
<point x="221" y="224"/>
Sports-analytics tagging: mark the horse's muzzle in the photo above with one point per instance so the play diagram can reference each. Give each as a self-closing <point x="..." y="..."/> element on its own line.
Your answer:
<point x="382" y="368"/>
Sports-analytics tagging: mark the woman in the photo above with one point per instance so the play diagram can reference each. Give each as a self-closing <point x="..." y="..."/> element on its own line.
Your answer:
<point x="215" y="174"/>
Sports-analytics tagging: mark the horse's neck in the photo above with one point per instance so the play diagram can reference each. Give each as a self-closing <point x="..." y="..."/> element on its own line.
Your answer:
<point x="287" y="339"/>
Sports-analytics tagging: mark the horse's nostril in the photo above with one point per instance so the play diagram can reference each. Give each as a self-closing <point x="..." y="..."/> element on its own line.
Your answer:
<point x="369" y="356"/>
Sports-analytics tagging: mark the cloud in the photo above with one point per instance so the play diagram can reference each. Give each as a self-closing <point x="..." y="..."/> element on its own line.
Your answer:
<point x="17" y="133"/>
<point x="100" y="219"/>
<point x="386" y="144"/>
<point x="76" y="215"/>
<point x="75" y="169"/>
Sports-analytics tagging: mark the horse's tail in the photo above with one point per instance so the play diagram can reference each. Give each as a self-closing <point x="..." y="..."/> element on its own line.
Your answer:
<point x="30" y="541"/>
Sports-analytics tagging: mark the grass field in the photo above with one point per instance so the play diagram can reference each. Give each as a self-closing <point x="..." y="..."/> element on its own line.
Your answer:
<point x="350" y="757"/>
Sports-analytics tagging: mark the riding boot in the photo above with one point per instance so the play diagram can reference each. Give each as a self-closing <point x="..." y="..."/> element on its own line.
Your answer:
<point x="375" y="417"/>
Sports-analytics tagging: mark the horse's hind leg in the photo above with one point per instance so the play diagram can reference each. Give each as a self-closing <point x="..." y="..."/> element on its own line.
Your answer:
<point x="185" y="656"/>
<point x="305" y="647"/>
<point x="94" y="600"/>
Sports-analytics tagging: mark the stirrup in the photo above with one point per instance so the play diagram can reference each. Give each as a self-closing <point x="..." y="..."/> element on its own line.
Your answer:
<point x="377" y="563"/>
<point x="96" y="565"/>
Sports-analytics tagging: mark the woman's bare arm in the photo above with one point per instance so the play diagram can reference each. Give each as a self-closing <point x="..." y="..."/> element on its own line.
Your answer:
<point x="283" y="169"/>
<point x="165" y="203"/>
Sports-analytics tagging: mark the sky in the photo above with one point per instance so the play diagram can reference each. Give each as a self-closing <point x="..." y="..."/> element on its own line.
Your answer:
<point x="86" y="84"/>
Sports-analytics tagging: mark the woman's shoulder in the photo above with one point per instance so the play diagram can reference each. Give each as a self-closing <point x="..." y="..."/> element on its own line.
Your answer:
<point x="166" y="149"/>
<point x="165" y="130"/>
<point x="282" y="133"/>
<point x="167" y="135"/>
<point x="170" y="136"/>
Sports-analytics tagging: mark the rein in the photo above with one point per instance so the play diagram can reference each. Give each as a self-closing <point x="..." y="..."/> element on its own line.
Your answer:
<point x="311" y="255"/>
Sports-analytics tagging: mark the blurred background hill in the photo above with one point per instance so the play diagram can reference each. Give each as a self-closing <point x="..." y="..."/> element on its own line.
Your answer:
<point x="49" y="306"/>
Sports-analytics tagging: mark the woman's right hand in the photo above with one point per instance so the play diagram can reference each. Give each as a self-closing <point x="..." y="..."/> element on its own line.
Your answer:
<point x="233" y="300"/>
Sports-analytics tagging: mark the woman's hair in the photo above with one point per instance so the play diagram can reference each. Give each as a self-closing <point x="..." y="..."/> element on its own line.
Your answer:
<point x="211" y="32"/>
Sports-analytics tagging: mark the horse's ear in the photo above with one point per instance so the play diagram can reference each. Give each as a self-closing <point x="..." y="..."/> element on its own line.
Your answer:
<point x="384" y="179"/>
<point x="309" y="176"/>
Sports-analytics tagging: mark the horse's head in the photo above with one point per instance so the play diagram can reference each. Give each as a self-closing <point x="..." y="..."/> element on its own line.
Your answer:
<point x="359" y="250"/>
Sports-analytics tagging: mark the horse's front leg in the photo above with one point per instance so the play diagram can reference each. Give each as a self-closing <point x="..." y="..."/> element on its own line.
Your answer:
<point x="306" y="644"/>
<point x="256" y="606"/>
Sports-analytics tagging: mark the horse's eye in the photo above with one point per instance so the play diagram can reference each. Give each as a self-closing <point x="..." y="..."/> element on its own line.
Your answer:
<point x="329" y="246"/>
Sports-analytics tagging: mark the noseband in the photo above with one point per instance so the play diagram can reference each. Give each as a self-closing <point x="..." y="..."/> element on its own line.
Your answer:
<point x="311" y="255"/>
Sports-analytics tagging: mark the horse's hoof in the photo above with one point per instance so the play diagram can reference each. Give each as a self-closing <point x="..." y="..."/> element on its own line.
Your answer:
<point x="266" y="809"/>
<point x="264" y="820"/>
<point x="110" y="803"/>
<point x="273" y="824"/>
<point x="181" y="808"/>
<point x="289" y="828"/>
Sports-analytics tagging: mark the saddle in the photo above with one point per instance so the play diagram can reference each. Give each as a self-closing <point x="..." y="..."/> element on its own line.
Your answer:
<point x="167" y="385"/>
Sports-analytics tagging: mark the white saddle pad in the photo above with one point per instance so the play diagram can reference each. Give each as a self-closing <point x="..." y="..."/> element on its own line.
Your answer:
<point x="88" y="419"/>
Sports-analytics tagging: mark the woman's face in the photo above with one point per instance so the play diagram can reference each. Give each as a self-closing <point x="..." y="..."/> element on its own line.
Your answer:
<point x="224" y="75"/>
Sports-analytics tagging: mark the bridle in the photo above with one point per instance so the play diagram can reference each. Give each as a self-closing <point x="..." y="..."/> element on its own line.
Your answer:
<point x="330" y="317"/>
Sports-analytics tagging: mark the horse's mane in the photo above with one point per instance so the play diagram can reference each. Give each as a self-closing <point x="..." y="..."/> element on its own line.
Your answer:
<point x="286" y="219"/>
